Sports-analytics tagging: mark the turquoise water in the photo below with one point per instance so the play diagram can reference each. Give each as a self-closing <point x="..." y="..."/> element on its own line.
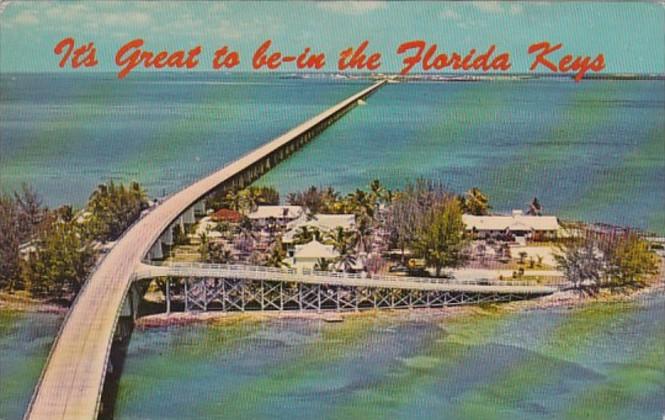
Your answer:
<point x="603" y="361"/>
<point x="25" y="340"/>
<point x="66" y="133"/>
<point x="591" y="151"/>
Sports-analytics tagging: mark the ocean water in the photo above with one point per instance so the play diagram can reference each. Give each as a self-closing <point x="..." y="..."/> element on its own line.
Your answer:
<point x="66" y="133"/>
<point x="602" y="361"/>
<point x="592" y="151"/>
<point x="25" y="340"/>
<point x="589" y="151"/>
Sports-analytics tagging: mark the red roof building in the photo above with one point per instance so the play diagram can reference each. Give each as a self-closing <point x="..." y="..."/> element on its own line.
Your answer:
<point x="226" y="215"/>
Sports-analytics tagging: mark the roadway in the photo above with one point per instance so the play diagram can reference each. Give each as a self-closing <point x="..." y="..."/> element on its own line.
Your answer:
<point x="71" y="384"/>
<point x="257" y="273"/>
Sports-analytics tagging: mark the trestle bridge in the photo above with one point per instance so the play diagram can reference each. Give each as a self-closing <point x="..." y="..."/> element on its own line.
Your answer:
<point x="72" y="381"/>
<point x="206" y="287"/>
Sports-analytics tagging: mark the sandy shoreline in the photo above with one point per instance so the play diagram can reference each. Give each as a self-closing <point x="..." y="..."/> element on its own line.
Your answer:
<point x="561" y="300"/>
<point x="19" y="303"/>
<point x="566" y="300"/>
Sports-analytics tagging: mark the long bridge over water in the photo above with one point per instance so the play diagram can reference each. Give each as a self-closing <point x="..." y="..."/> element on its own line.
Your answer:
<point x="72" y="381"/>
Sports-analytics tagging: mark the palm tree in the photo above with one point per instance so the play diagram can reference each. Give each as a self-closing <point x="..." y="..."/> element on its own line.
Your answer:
<point x="305" y="234"/>
<point x="219" y="254"/>
<point x="363" y="233"/>
<point x="360" y="204"/>
<point x="347" y="261"/>
<point x="246" y="235"/>
<point x="341" y="240"/>
<point x="323" y="264"/>
<point x="535" y="208"/>
<point x="475" y="202"/>
<point x="233" y="200"/>
<point x="277" y="256"/>
<point x="204" y="247"/>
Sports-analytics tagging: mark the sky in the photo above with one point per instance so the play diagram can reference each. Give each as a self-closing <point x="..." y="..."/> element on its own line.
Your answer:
<point x="631" y="36"/>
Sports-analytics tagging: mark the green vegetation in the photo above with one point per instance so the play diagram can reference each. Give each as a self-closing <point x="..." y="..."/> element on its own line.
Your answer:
<point x="427" y="219"/>
<point x="440" y="238"/>
<point x="60" y="262"/>
<point x="21" y="216"/>
<point x="596" y="261"/>
<point x="244" y="200"/>
<point x="49" y="253"/>
<point x="112" y="208"/>
<point x="475" y="202"/>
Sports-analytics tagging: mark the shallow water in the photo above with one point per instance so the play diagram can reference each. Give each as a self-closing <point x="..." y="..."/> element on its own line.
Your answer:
<point x="25" y="340"/>
<point x="602" y="361"/>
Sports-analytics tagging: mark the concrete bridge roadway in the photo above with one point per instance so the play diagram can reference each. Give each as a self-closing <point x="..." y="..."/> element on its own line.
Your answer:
<point x="72" y="380"/>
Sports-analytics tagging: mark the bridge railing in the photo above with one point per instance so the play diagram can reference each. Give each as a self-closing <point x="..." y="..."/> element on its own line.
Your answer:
<point x="185" y="268"/>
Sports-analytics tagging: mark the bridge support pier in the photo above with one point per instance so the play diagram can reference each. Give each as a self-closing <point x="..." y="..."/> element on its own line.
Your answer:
<point x="168" y="295"/>
<point x="200" y="208"/>
<point x="167" y="237"/>
<point x="156" y="252"/>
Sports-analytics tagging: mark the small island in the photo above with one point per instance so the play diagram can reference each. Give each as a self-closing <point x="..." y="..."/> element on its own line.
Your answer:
<point x="422" y="230"/>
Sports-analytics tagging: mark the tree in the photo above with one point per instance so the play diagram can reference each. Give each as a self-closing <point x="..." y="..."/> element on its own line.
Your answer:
<point x="410" y="210"/>
<point x="246" y="238"/>
<point x="535" y="208"/>
<point x="343" y="242"/>
<point x="582" y="263"/>
<point x="22" y="217"/>
<point x="219" y="254"/>
<point x="204" y="247"/>
<point x="363" y="235"/>
<point x="9" y="243"/>
<point x="440" y="238"/>
<point x="305" y="234"/>
<point x="475" y="202"/>
<point x="30" y="211"/>
<point x="277" y="255"/>
<point x="60" y="262"/>
<point x="630" y="262"/>
<point x="112" y="208"/>
<point x="323" y="264"/>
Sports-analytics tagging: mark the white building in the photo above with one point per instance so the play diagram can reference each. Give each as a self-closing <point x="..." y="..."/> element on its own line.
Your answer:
<point x="280" y="214"/>
<point x="324" y="223"/>
<point x="517" y="224"/>
<point x="309" y="254"/>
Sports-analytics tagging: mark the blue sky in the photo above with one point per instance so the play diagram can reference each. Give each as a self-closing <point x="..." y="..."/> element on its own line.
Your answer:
<point x="630" y="35"/>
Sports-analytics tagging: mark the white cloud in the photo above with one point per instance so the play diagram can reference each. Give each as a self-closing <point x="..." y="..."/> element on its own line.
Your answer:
<point x="352" y="7"/>
<point x="26" y="18"/>
<point x="450" y="14"/>
<point x="122" y="18"/>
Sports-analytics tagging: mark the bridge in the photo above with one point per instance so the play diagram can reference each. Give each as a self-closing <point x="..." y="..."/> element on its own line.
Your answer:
<point x="241" y="287"/>
<point x="72" y="381"/>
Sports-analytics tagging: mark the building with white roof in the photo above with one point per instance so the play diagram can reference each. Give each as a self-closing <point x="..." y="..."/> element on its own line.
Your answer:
<point x="281" y="214"/>
<point x="322" y="222"/>
<point x="517" y="224"/>
<point x="307" y="255"/>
